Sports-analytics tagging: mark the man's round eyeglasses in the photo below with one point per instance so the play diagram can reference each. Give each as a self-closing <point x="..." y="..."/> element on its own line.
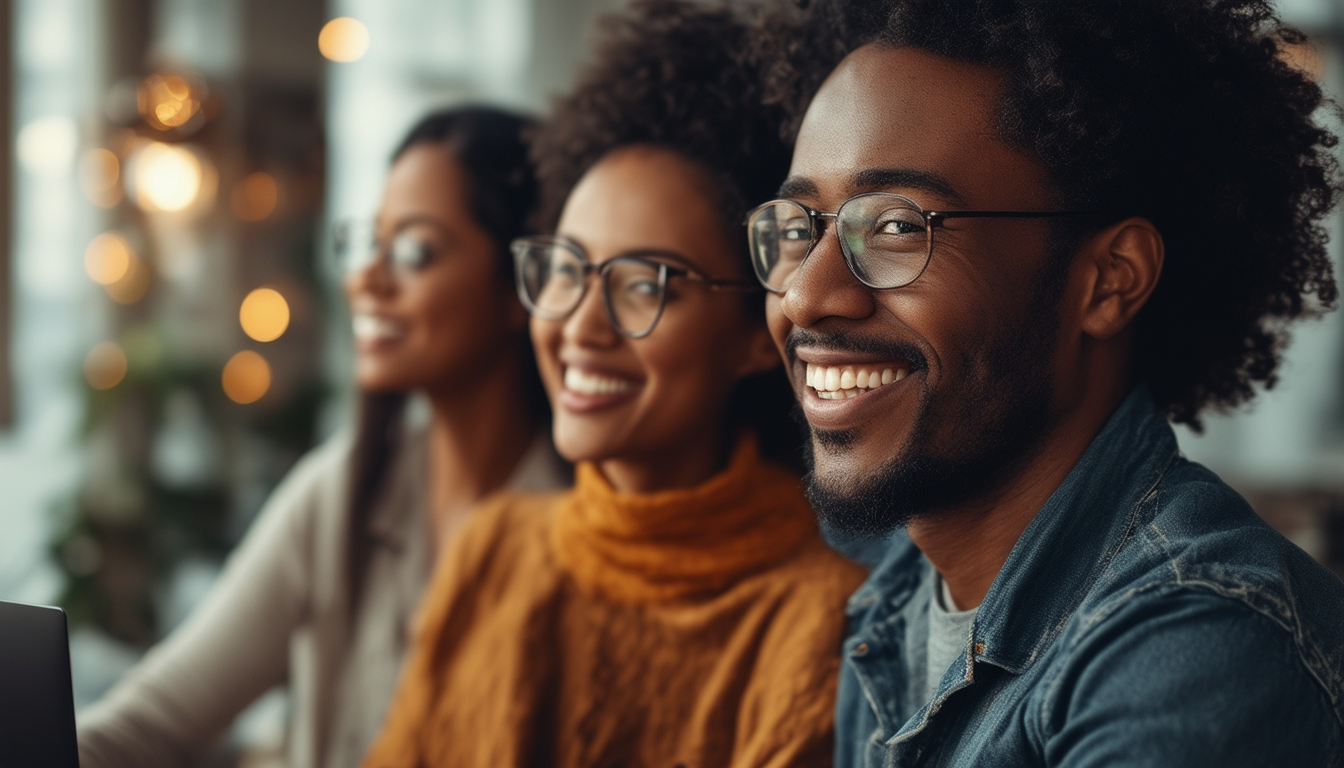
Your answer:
<point x="409" y="248"/>
<point x="553" y="272"/>
<point x="886" y="239"/>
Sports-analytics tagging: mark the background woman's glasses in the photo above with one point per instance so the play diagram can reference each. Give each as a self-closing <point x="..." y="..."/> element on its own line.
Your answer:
<point x="406" y="251"/>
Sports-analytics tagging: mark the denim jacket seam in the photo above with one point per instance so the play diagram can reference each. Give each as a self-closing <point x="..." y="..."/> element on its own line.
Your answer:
<point x="1205" y="586"/>
<point x="1307" y="654"/>
<point x="1148" y="498"/>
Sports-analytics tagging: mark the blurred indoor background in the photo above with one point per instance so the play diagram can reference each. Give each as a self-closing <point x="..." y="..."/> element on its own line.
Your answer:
<point x="171" y="331"/>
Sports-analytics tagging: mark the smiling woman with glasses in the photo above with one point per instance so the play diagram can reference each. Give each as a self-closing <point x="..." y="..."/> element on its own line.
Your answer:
<point x="319" y="596"/>
<point x="678" y="606"/>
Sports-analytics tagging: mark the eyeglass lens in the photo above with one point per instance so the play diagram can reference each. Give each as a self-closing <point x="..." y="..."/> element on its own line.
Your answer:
<point x="884" y="238"/>
<point x="409" y="250"/>
<point x="553" y="280"/>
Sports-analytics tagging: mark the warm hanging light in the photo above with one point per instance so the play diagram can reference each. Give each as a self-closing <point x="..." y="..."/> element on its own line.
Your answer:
<point x="166" y="177"/>
<point x="343" y="40"/>
<point x="108" y="258"/>
<point x="99" y="172"/>
<point x="255" y="197"/>
<point x="105" y="365"/>
<point x="246" y="378"/>
<point x="264" y="314"/>
<point x="169" y="101"/>
<point x="133" y="286"/>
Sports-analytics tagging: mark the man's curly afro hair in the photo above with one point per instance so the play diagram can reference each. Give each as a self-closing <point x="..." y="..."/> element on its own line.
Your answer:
<point x="678" y="75"/>
<point x="1182" y="112"/>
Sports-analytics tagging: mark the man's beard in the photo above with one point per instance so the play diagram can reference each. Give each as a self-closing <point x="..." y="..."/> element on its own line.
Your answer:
<point x="998" y="427"/>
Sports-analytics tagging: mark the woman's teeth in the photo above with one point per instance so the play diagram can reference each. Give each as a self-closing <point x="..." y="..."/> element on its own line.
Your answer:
<point x="372" y="328"/>
<point x="833" y="382"/>
<point x="592" y="384"/>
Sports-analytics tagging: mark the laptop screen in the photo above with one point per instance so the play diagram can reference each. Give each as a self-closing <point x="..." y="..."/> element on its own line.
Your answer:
<point x="37" y="708"/>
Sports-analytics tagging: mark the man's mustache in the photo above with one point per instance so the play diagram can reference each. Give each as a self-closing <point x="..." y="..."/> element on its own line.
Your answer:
<point x="845" y="342"/>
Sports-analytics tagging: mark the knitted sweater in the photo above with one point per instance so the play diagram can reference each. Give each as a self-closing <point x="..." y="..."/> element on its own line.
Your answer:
<point x="697" y="627"/>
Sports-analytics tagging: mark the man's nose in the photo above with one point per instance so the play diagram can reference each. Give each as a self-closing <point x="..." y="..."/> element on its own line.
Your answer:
<point x="823" y="286"/>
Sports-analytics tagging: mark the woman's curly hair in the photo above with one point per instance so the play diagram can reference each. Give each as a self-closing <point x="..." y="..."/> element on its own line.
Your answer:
<point x="1184" y="113"/>
<point x="683" y="76"/>
<point x="679" y="75"/>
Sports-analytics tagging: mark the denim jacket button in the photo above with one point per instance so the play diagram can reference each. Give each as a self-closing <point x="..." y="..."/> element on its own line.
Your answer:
<point x="861" y="649"/>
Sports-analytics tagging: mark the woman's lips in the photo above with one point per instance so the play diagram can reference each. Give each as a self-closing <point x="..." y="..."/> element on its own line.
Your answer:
<point x="588" y="390"/>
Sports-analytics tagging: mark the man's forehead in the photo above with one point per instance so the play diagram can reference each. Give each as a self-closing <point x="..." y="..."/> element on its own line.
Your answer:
<point x="898" y="110"/>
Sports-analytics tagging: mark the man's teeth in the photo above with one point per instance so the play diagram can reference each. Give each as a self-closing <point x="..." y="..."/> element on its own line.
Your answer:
<point x="838" y="382"/>
<point x="369" y="327"/>
<point x="592" y="384"/>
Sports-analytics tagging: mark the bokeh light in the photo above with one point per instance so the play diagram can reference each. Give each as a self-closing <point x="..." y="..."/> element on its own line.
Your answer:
<point x="264" y="314"/>
<point x="99" y="172"/>
<point x="46" y="146"/>
<point x="133" y="286"/>
<point x="343" y="40"/>
<point x="108" y="258"/>
<point x="168" y="100"/>
<point x="247" y="377"/>
<point x="255" y="197"/>
<point x="167" y="177"/>
<point x="105" y="365"/>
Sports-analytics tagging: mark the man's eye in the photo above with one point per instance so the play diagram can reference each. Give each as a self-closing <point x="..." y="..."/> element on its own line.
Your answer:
<point x="897" y="227"/>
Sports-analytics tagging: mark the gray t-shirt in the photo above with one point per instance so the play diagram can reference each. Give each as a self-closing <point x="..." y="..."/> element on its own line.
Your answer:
<point x="949" y="631"/>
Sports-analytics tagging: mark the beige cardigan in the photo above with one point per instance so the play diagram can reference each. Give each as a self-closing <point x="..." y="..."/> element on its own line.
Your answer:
<point x="280" y="615"/>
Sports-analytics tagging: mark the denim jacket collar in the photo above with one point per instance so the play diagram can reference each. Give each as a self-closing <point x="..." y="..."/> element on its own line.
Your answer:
<point x="1075" y="535"/>
<point x="1056" y="559"/>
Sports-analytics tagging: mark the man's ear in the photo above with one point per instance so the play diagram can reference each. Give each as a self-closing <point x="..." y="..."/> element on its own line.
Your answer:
<point x="760" y="355"/>
<point x="1121" y="265"/>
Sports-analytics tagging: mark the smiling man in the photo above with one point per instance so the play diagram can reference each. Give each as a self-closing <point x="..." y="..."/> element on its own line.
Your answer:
<point x="1016" y="240"/>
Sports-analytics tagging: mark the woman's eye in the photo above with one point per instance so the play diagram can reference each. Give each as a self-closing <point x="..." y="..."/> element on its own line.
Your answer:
<point x="566" y="273"/>
<point x="410" y="252"/>
<point x="795" y="231"/>
<point x="642" y="288"/>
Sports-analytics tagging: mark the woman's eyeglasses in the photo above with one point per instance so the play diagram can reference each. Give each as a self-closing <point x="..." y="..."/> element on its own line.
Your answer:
<point x="886" y="239"/>
<point x="553" y="274"/>
<point x="411" y="247"/>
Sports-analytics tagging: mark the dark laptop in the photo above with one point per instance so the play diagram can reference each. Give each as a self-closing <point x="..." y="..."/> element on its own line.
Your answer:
<point x="37" y="706"/>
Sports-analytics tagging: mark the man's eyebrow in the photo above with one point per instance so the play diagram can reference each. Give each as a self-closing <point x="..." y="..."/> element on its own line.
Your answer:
<point x="874" y="179"/>
<point x="797" y="186"/>
<point x="885" y="178"/>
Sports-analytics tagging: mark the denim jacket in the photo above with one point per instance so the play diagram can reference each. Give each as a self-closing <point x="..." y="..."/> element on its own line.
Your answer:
<point x="1146" y="616"/>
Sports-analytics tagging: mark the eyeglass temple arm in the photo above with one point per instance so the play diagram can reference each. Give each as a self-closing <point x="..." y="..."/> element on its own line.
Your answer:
<point x="935" y="216"/>
<point x="735" y="286"/>
<point x="741" y="286"/>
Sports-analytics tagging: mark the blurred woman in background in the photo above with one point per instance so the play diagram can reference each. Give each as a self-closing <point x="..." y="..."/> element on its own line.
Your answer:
<point x="678" y="606"/>
<point x="320" y="594"/>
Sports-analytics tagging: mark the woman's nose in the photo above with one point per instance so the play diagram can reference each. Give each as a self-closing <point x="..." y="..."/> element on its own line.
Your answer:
<point x="373" y="278"/>
<point x="589" y="324"/>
